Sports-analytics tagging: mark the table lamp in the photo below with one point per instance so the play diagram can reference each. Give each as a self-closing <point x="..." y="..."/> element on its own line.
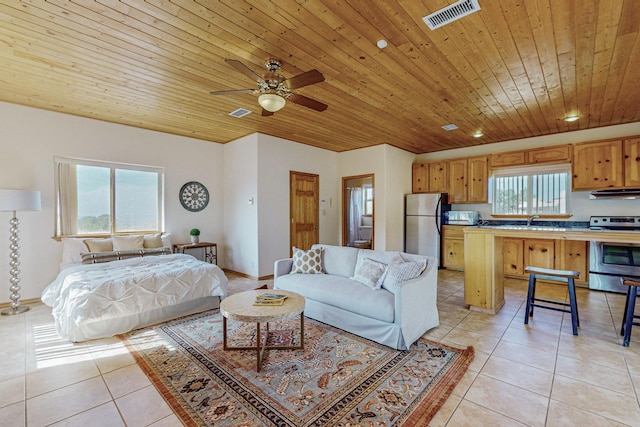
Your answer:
<point x="12" y="201"/>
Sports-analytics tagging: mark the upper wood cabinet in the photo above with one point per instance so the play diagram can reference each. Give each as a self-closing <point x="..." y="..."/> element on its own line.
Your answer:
<point x="556" y="154"/>
<point x="632" y="162"/>
<point x="598" y="165"/>
<point x="438" y="174"/>
<point x="429" y="177"/>
<point x="419" y="178"/>
<point x="511" y="158"/>
<point x="468" y="180"/>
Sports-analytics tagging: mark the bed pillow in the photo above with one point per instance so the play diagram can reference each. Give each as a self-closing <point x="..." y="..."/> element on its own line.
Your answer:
<point x="99" y="257"/>
<point x="307" y="262"/>
<point x="370" y="273"/>
<point x="128" y="243"/>
<point x="99" y="245"/>
<point x="72" y="248"/>
<point x="152" y="241"/>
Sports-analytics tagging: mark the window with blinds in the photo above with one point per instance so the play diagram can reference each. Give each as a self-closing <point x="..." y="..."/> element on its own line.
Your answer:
<point x="536" y="190"/>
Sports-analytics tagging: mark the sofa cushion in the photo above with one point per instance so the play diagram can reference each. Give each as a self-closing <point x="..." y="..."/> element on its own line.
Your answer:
<point x="343" y="293"/>
<point x="369" y="273"/>
<point x="401" y="272"/>
<point x="307" y="262"/>
<point x="338" y="260"/>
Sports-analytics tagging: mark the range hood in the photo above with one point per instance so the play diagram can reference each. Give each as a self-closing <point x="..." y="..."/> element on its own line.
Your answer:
<point x="627" y="193"/>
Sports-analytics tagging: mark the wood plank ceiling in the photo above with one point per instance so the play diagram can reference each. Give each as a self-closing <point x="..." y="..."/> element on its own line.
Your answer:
<point x="512" y="70"/>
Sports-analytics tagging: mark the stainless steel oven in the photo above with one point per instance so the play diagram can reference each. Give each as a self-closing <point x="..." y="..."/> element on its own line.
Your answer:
<point x="609" y="261"/>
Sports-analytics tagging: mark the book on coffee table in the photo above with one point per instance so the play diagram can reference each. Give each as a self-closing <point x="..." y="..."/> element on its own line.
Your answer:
<point x="270" y="299"/>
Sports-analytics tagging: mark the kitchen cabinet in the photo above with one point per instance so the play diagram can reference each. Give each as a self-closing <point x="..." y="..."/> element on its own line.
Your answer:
<point x="546" y="253"/>
<point x="468" y="180"/>
<point x="511" y="158"/>
<point x="419" y="178"/>
<point x="598" y="165"/>
<point x="555" y="154"/>
<point x="632" y="163"/>
<point x="453" y="247"/>
<point x="438" y="177"/>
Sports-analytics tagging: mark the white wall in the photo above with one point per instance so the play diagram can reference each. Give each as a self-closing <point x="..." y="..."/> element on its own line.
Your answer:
<point x="276" y="158"/>
<point x="29" y="140"/>
<point x="392" y="180"/>
<point x="581" y="206"/>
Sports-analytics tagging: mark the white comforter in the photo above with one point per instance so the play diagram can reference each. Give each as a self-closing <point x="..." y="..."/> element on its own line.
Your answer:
<point x="96" y="300"/>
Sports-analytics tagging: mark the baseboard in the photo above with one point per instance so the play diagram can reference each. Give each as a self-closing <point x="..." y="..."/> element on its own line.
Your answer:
<point x="269" y="277"/>
<point x="22" y="302"/>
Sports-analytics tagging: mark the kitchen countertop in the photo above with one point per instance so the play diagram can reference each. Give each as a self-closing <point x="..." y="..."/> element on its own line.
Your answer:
<point x="558" y="233"/>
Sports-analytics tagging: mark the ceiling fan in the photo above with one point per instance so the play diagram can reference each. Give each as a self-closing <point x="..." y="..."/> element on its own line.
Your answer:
<point x="274" y="89"/>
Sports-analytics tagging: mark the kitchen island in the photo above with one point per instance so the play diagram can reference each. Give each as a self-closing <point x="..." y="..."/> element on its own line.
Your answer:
<point x="483" y="257"/>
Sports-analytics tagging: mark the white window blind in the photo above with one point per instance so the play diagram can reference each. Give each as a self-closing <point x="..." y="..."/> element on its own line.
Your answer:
<point x="535" y="190"/>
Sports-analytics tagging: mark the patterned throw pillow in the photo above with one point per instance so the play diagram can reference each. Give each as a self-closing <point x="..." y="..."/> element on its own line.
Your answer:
<point x="307" y="262"/>
<point x="402" y="272"/>
<point x="369" y="272"/>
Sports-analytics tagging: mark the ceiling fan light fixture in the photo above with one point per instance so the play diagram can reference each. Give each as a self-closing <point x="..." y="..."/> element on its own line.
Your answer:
<point x="271" y="102"/>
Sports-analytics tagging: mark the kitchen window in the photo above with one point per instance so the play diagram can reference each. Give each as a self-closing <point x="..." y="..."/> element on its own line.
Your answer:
<point x="535" y="190"/>
<point x="101" y="198"/>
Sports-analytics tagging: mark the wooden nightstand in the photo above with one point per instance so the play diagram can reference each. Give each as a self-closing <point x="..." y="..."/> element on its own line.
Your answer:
<point x="210" y="250"/>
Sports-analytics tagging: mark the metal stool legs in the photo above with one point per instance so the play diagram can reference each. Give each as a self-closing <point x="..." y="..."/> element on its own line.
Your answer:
<point x="554" y="275"/>
<point x="629" y="309"/>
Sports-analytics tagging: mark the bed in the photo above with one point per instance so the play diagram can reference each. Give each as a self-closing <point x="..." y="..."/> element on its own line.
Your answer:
<point x="103" y="297"/>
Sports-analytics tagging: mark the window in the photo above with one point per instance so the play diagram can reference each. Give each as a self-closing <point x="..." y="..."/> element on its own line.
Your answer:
<point x="95" y="198"/>
<point x="367" y="194"/>
<point x="536" y="190"/>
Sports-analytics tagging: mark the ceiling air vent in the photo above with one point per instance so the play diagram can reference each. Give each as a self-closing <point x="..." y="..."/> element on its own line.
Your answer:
<point x="240" y="112"/>
<point x="451" y="13"/>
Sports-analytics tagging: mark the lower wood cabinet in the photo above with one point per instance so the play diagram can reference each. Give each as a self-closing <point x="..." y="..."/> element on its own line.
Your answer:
<point x="453" y="247"/>
<point x="545" y="253"/>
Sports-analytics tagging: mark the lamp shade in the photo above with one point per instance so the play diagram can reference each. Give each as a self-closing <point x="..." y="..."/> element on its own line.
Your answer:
<point x="271" y="102"/>
<point x="19" y="200"/>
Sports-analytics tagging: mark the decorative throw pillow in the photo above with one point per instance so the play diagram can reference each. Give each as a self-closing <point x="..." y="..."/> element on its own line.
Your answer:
<point x="307" y="262"/>
<point x="99" y="245"/>
<point x="166" y="240"/>
<point x="72" y="250"/>
<point x="128" y="243"/>
<point x="398" y="273"/>
<point x="369" y="272"/>
<point x="152" y="241"/>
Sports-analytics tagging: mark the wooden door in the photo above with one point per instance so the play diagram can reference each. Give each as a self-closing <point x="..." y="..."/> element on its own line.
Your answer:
<point x="438" y="177"/>
<point x="539" y="253"/>
<point x="419" y="178"/>
<point x="513" y="256"/>
<point x="458" y="181"/>
<point x="304" y="209"/>
<point x="477" y="177"/>
<point x="632" y="162"/>
<point x="597" y="165"/>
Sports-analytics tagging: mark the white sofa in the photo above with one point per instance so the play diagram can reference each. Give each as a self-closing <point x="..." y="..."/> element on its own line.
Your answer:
<point x="395" y="316"/>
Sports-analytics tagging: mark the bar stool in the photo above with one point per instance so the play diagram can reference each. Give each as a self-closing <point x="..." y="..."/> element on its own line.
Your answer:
<point x="629" y="309"/>
<point x="556" y="276"/>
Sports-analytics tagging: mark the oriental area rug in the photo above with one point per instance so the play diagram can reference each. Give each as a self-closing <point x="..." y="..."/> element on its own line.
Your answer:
<point x="339" y="379"/>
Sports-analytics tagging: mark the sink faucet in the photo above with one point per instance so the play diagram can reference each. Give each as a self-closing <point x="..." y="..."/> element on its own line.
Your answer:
<point x="531" y="218"/>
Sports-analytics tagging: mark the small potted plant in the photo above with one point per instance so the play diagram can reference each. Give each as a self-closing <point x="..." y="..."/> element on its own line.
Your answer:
<point x="195" y="235"/>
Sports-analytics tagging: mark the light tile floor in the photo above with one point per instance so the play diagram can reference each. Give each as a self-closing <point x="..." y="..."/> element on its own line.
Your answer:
<point x="536" y="375"/>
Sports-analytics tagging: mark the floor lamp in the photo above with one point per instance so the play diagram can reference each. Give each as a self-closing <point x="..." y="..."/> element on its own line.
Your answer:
<point x="12" y="201"/>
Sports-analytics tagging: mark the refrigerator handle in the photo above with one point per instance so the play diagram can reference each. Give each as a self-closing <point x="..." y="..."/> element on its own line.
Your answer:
<point x="437" y="215"/>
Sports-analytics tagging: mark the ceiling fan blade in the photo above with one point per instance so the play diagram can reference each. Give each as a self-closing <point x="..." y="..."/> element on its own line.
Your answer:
<point x="304" y="79"/>
<point x="239" y="66"/>
<point x="231" y="92"/>
<point x="307" y="102"/>
<point x="267" y="113"/>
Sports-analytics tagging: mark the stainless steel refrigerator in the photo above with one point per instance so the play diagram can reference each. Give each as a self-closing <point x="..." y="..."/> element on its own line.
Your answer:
<point x="423" y="223"/>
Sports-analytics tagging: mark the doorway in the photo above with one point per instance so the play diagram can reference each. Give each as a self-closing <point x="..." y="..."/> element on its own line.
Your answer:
<point x="357" y="214"/>
<point x="304" y="214"/>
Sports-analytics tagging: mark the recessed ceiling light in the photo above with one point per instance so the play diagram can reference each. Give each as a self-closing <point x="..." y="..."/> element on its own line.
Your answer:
<point x="382" y="44"/>
<point x="450" y="127"/>
<point x="478" y="134"/>
<point x="571" y="118"/>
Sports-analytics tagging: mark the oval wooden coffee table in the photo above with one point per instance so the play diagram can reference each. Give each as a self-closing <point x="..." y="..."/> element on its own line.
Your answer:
<point x="240" y="307"/>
